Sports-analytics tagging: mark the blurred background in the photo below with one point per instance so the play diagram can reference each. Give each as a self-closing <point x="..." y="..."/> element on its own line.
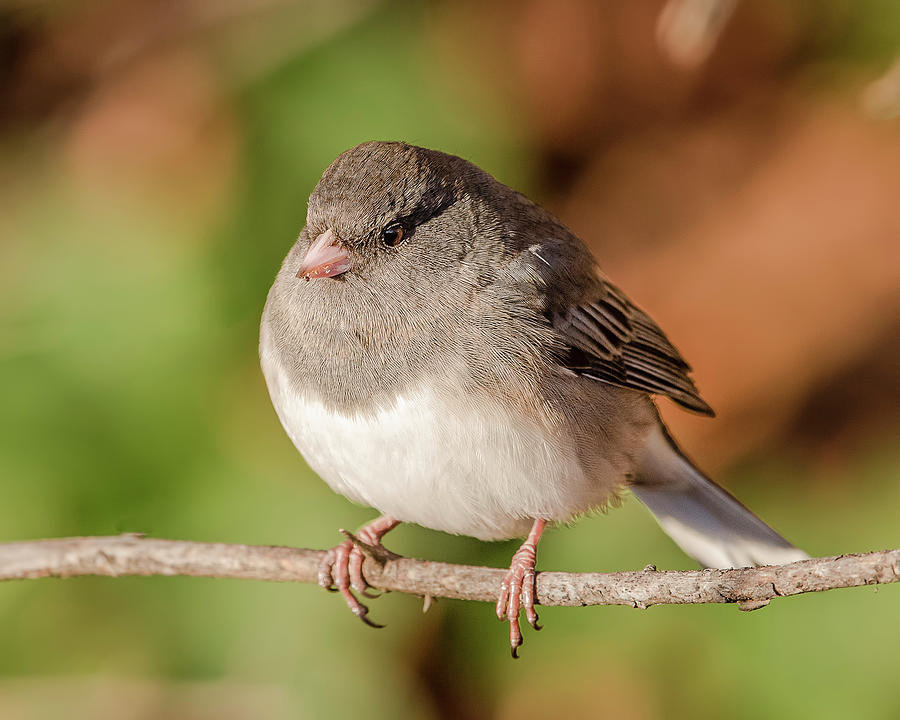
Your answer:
<point x="736" y="168"/>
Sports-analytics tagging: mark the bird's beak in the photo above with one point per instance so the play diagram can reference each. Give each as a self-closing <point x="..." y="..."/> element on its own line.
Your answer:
<point x="326" y="257"/>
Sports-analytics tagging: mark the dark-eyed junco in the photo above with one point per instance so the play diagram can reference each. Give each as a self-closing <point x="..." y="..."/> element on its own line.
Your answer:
<point x="442" y="349"/>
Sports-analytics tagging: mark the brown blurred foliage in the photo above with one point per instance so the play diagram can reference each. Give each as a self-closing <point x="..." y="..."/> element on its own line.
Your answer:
<point x="754" y="215"/>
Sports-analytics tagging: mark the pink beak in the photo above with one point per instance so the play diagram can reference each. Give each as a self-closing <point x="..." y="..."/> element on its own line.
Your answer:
<point x="326" y="257"/>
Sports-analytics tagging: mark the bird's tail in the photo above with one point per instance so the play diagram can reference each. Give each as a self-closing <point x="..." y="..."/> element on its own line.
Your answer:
<point x="705" y="520"/>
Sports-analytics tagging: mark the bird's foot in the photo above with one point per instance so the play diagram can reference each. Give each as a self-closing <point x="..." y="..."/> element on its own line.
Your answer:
<point x="342" y="566"/>
<point x="518" y="588"/>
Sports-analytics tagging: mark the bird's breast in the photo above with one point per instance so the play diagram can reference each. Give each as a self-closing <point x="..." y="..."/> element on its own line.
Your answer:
<point x="457" y="462"/>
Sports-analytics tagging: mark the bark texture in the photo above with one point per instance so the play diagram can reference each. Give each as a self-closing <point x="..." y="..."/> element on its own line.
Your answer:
<point x="137" y="555"/>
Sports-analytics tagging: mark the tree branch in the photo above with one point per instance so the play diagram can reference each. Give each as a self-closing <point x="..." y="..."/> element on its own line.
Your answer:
<point x="137" y="555"/>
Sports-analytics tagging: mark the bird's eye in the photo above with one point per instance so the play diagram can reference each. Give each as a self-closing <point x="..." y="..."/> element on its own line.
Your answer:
<point x="393" y="235"/>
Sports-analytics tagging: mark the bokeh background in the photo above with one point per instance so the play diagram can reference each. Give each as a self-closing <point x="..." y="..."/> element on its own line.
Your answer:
<point x="736" y="167"/>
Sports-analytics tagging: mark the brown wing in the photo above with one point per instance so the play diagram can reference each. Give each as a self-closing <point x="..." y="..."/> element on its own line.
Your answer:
<point x="612" y="340"/>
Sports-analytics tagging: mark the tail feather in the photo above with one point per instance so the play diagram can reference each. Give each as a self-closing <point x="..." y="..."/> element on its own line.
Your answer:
<point x="705" y="520"/>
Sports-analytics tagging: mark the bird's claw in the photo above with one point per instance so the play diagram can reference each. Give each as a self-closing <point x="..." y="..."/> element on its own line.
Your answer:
<point x="363" y="615"/>
<point x="517" y="592"/>
<point x="341" y="570"/>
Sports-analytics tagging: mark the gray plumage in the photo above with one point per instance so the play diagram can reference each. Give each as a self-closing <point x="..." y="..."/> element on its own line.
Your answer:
<point x="482" y="373"/>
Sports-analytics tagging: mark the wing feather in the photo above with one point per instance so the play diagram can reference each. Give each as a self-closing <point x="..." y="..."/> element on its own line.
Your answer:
<point x="612" y="340"/>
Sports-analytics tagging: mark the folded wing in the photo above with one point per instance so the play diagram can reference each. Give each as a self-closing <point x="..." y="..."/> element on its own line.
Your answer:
<point x="610" y="339"/>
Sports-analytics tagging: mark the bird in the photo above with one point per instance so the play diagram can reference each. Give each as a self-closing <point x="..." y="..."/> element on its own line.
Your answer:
<point x="443" y="350"/>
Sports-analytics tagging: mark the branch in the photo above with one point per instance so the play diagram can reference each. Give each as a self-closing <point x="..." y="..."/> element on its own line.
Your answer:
<point x="137" y="555"/>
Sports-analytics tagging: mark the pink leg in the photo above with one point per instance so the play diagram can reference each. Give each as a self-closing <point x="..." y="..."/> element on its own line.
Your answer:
<point x="342" y="566"/>
<point x="517" y="589"/>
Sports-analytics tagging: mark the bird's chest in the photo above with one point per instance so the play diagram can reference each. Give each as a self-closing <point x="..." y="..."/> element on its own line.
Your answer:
<point x="463" y="465"/>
